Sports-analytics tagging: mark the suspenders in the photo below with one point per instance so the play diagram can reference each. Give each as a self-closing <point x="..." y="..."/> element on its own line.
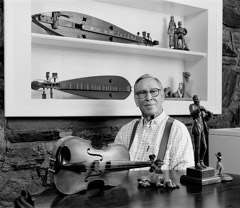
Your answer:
<point x="164" y="142"/>
<point x="133" y="134"/>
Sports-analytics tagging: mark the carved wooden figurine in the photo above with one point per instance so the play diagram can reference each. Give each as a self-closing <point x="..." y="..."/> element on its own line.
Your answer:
<point x="168" y="92"/>
<point x="171" y="32"/>
<point x="219" y="165"/>
<point x="220" y="168"/>
<point x="180" y="33"/>
<point x="179" y="92"/>
<point x="199" y="131"/>
<point x="186" y="85"/>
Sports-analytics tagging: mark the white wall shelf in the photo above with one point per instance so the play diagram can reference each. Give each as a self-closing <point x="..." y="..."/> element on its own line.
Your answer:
<point x="112" y="47"/>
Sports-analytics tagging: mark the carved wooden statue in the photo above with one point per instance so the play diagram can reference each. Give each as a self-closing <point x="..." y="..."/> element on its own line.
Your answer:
<point x="199" y="131"/>
<point x="171" y="32"/>
<point x="180" y="33"/>
<point x="186" y="85"/>
<point x="219" y="165"/>
<point x="179" y="92"/>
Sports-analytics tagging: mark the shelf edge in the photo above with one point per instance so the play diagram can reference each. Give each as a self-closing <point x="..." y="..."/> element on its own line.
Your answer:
<point x="114" y="47"/>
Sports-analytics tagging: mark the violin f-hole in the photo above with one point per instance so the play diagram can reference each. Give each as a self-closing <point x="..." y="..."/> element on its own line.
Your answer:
<point x="97" y="155"/>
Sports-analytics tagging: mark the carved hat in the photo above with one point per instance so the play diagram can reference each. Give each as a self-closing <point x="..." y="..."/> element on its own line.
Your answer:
<point x="219" y="154"/>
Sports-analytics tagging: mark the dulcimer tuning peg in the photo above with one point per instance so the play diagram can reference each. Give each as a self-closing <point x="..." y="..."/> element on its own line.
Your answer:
<point x="144" y="34"/>
<point x="54" y="76"/>
<point x="47" y="75"/>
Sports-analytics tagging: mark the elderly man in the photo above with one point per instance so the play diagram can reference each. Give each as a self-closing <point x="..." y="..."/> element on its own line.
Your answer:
<point x="149" y="97"/>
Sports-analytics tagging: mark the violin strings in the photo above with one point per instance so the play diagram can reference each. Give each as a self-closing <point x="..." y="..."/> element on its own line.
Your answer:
<point x="109" y="165"/>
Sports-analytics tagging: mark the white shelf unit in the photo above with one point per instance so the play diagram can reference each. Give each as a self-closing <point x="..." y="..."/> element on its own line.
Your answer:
<point x="112" y="47"/>
<point x="74" y="58"/>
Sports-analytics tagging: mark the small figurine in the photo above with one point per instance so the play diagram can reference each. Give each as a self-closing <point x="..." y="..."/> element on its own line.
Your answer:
<point x="199" y="131"/>
<point x="168" y="92"/>
<point x="180" y="33"/>
<point x="157" y="180"/>
<point x="220" y="168"/>
<point x="171" y="31"/>
<point x="144" y="181"/>
<point x="186" y="85"/>
<point x="179" y="92"/>
<point x="219" y="165"/>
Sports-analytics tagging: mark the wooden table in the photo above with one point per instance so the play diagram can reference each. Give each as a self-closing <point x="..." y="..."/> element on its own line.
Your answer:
<point x="225" y="194"/>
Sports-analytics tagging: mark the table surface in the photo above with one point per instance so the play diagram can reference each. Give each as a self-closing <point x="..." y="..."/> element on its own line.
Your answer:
<point x="128" y="194"/>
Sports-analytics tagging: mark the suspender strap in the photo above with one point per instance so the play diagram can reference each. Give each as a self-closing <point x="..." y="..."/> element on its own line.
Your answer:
<point x="165" y="137"/>
<point x="133" y="134"/>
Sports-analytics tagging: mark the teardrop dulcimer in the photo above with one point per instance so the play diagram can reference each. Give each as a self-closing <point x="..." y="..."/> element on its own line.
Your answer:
<point x="75" y="163"/>
<point x="95" y="87"/>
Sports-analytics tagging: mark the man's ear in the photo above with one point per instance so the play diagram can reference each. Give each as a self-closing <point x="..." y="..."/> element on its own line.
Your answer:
<point x="136" y="100"/>
<point x="162" y="94"/>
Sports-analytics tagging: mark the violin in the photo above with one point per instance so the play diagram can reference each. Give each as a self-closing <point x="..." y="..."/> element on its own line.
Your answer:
<point x="74" y="164"/>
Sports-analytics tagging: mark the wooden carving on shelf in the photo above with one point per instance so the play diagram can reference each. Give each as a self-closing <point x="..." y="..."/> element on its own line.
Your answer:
<point x="177" y="35"/>
<point x="186" y="85"/>
<point x="171" y="31"/>
<point x="183" y="90"/>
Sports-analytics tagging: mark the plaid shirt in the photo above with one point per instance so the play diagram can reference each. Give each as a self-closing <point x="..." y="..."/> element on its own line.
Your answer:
<point x="179" y="153"/>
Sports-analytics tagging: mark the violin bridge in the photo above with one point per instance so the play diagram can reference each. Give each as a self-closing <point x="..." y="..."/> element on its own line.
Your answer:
<point x="95" y="167"/>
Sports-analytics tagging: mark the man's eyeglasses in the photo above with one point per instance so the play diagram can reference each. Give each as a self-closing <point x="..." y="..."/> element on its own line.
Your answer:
<point x="143" y="93"/>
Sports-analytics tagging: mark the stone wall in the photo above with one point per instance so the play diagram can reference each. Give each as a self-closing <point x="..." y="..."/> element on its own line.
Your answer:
<point x="231" y="65"/>
<point x="26" y="143"/>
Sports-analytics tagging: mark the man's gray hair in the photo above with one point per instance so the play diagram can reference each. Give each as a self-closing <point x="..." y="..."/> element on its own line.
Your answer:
<point x="145" y="76"/>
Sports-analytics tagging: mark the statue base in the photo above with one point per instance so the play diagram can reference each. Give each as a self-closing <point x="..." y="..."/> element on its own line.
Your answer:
<point x="202" y="177"/>
<point x="225" y="177"/>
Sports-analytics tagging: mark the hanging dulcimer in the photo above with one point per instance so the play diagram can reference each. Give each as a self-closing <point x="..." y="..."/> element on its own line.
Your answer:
<point x="77" y="25"/>
<point x="95" y="87"/>
<point x="75" y="164"/>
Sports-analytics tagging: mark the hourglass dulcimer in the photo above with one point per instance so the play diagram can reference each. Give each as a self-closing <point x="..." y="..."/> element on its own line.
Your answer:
<point x="75" y="163"/>
<point x="77" y="25"/>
